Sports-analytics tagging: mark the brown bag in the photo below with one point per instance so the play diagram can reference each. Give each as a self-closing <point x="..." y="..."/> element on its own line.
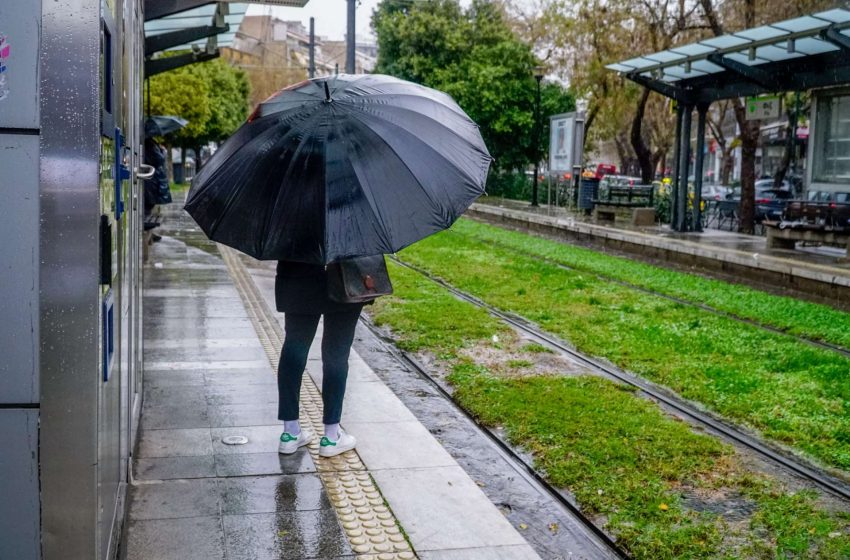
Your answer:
<point x="359" y="280"/>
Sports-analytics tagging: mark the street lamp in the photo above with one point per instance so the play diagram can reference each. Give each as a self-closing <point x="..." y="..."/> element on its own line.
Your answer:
<point x="539" y="72"/>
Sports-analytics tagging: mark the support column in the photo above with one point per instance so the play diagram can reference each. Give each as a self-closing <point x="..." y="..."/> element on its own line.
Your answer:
<point x="311" y="68"/>
<point x="674" y="185"/>
<point x="684" y="164"/>
<point x="702" y="110"/>
<point x="350" y="38"/>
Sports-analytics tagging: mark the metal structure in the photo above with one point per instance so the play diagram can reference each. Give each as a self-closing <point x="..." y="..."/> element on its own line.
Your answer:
<point x="70" y="269"/>
<point x="799" y="54"/>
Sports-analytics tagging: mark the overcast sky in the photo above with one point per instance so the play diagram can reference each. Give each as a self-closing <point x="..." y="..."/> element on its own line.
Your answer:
<point x="330" y="16"/>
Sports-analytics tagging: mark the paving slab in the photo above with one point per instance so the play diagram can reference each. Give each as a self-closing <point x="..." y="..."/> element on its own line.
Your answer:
<point x="175" y="539"/>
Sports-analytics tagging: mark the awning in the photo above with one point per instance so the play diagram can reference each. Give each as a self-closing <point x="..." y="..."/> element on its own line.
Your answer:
<point x="792" y="55"/>
<point x="199" y="27"/>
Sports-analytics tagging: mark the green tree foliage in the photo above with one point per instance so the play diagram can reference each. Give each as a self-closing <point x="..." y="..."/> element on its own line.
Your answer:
<point x="472" y="55"/>
<point x="212" y="96"/>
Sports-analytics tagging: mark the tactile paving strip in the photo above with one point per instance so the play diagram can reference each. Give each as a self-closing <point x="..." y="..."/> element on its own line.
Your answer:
<point x="373" y="531"/>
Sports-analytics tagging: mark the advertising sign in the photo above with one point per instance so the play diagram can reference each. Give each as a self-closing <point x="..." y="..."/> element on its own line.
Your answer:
<point x="759" y="108"/>
<point x="566" y="139"/>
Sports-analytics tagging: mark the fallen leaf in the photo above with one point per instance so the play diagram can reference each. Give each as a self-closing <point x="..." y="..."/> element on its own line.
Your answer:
<point x="282" y="533"/>
<point x="835" y="534"/>
<point x="479" y="483"/>
<point x="663" y="507"/>
<point x="523" y="526"/>
<point x="553" y="527"/>
<point x="811" y="530"/>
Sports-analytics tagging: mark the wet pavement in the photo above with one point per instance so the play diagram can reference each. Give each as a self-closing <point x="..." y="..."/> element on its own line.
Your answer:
<point x="208" y="377"/>
<point x="722" y="239"/>
<point x="422" y="479"/>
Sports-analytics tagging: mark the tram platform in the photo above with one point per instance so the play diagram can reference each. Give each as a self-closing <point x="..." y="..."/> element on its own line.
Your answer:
<point x="820" y="272"/>
<point x="208" y="482"/>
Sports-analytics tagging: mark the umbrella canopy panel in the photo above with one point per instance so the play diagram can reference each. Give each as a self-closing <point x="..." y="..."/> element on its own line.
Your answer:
<point x="340" y="167"/>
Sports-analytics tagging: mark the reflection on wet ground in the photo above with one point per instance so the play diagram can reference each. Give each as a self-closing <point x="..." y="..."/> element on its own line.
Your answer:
<point x="207" y="377"/>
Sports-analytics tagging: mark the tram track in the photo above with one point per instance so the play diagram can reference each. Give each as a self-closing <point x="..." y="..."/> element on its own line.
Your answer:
<point x="820" y="344"/>
<point x="522" y="467"/>
<point x="810" y="473"/>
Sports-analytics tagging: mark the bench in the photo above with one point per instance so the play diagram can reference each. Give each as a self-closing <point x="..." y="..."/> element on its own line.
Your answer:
<point x="787" y="237"/>
<point x="638" y="200"/>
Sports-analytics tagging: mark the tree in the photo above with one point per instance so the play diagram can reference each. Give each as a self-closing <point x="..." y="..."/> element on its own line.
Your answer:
<point x="474" y="56"/>
<point x="212" y="96"/>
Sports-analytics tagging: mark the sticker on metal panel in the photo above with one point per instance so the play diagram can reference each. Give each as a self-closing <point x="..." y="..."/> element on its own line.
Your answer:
<point x="5" y="49"/>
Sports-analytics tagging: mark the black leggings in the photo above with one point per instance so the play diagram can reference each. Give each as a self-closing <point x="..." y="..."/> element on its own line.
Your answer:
<point x="336" y="345"/>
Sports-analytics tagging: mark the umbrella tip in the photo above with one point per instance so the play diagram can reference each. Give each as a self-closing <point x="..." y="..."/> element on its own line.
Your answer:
<point x="327" y="92"/>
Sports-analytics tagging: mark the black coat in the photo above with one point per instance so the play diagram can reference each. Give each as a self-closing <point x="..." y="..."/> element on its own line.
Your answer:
<point x="303" y="288"/>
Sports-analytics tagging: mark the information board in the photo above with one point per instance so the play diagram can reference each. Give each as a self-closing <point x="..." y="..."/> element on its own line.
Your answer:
<point x="566" y="142"/>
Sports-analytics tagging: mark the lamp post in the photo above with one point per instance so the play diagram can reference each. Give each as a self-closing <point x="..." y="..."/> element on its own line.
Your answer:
<point x="538" y="76"/>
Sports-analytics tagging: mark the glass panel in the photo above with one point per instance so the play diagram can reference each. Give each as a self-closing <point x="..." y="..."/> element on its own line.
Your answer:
<point x="745" y="59"/>
<point x="810" y="45"/>
<point x="706" y="66"/>
<point x="665" y="56"/>
<point x="832" y="155"/>
<point x="679" y="72"/>
<point x="725" y="41"/>
<point x="619" y="68"/>
<point x="805" y="23"/>
<point x="639" y="62"/>
<point x="694" y="49"/>
<point x="837" y="16"/>
<point x="773" y="54"/>
<point x="761" y="33"/>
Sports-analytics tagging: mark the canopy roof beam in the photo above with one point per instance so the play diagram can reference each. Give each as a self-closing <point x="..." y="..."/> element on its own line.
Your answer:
<point x="160" y="65"/>
<point x="165" y="41"/>
<point x="657" y="86"/>
<point x="752" y="74"/>
<point x="155" y="9"/>
<point x="832" y="34"/>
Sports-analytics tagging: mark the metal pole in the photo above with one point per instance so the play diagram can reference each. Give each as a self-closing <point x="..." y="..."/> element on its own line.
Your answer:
<point x="702" y="109"/>
<point x="311" y="69"/>
<point x="674" y="184"/>
<point x="536" y="143"/>
<point x="684" y="164"/>
<point x="349" y="53"/>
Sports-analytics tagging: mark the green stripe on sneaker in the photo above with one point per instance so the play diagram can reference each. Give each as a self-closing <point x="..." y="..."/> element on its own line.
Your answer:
<point x="327" y="442"/>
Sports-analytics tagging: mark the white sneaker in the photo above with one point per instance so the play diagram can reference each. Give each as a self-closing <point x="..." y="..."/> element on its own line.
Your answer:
<point x="330" y="448"/>
<point x="289" y="443"/>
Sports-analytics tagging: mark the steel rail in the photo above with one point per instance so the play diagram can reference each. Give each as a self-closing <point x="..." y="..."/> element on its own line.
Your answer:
<point x="520" y="465"/>
<point x="705" y="307"/>
<point x="822" y="480"/>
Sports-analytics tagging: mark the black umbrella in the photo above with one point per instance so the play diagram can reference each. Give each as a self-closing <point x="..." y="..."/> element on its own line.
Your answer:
<point x="160" y="125"/>
<point x="350" y="165"/>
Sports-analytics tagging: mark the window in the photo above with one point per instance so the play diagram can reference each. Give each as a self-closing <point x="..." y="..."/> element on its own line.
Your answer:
<point x="832" y="141"/>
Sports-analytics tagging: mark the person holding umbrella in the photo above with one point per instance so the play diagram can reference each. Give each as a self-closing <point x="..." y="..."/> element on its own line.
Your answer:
<point x="326" y="177"/>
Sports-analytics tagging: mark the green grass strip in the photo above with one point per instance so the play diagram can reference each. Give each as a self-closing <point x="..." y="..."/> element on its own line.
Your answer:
<point x="789" y="391"/>
<point x="662" y="489"/>
<point x="812" y="320"/>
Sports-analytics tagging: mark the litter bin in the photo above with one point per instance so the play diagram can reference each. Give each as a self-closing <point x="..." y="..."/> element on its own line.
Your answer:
<point x="587" y="192"/>
<point x="179" y="176"/>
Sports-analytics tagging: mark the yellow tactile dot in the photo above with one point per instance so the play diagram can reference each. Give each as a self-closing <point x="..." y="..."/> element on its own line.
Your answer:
<point x="350" y="525"/>
<point x="382" y="547"/>
<point x="358" y="503"/>
<point x="347" y="518"/>
<point x="376" y="501"/>
<point x="369" y="524"/>
<point x="366" y="557"/>
<point x="377" y="539"/>
<point x="399" y="546"/>
<point x="361" y="548"/>
<point x="406" y="556"/>
<point x="388" y="522"/>
<point x="383" y="515"/>
<point x="358" y="541"/>
<point x="397" y="538"/>
<point x="392" y="531"/>
<point x="373" y="495"/>
<point x="363" y="509"/>
<point x="373" y="532"/>
<point x="386" y="556"/>
<point x="353" y="533"/>
<point x="381" y="509"/>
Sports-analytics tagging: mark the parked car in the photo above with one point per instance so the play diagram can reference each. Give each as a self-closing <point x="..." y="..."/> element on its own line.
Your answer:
<point x="770" y="202"/>
<point x="768" y="184"/>
<point x="715" y="192"/>
<point x="828" y="196"/>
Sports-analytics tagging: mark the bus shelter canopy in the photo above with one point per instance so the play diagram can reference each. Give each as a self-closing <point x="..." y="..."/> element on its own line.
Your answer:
<point x="798" y="54"/>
